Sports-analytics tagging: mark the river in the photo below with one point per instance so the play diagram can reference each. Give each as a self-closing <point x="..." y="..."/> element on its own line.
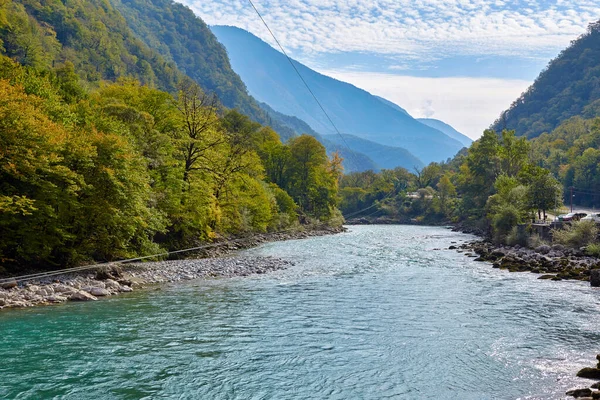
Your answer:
<point x="375" y="313"/>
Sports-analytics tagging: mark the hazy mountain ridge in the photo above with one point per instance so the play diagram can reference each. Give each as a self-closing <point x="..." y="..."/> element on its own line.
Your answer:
<point x="385" y="157"/>
<point x="270" y="79"/>
<point x="447" y="129"/>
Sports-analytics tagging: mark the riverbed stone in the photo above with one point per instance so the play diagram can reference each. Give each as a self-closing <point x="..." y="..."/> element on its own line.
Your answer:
<point x="112" y="285"/>
<point x="586" y="392"/>
<point x="595" y="278"/>
<point x="98" y="291"/>
<point x="9" y="285"/>
<point x="544" y="249"/>
<point x="81" y="295"/>
<point x="589" y="373"/>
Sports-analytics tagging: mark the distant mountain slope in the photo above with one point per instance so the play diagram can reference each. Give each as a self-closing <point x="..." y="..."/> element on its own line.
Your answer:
<point x="566" y="88"/>
<point x="354" y="161"/>
<point x="385" y="157"/>
<point x="174" y="31"/>
<point x="447" y="129"/>
<point x="270" y="79"/>
<point x="392" y="104"/>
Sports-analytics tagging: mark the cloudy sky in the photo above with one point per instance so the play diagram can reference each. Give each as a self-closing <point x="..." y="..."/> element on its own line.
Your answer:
<point x="461" y="61"/>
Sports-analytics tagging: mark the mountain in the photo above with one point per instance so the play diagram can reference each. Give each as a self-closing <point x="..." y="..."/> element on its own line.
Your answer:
<point x="569" y="86"/>
<point x="177" y="34"/>
<point x="385" y="157"/>
<point x="270" y="78"/>
<point x="354" y="160"/>
<point x="433" y="123"/>
<point x="91" y="34"/>
<point x="391" y="104"/>
<point x="447" y="129"/>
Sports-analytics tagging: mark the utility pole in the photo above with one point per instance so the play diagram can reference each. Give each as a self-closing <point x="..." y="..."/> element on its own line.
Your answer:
<point x="571" y="198"/>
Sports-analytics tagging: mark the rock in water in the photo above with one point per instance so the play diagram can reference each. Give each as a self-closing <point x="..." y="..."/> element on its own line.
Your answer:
<point x="98" y="291"/>
<point x="595" y="278"/>
<point x="589" y="373"/>
<point x="82" y="296"/>
<point x="580" y="393"/>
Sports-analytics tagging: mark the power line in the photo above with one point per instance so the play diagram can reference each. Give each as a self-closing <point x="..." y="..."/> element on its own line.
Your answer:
<point x="42" y="275"/>
<point x="302" y="78"/>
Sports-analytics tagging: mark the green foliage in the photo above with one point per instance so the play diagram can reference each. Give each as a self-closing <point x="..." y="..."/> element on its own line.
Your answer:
<point x="568" y="87"/>
<point x="577" y="234"/>
<point x="127" y="169"/>
<point x="90" y="35"/>
<point x="173" y="30"/>
<point x="571" y="153"/>
<point x="593" y="250"/>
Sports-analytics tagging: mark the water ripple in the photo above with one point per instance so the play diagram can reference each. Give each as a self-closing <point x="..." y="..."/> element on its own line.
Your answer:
<point x="372" y="314"/>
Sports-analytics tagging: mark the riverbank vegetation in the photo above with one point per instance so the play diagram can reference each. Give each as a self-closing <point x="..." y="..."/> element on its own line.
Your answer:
<point x="124" y="169"/>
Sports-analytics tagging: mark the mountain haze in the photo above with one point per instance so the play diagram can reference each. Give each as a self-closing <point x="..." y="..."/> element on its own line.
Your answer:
<point x="384" y="157"/>
<point x="270" y="79"/>
<point x="447" y="129"/>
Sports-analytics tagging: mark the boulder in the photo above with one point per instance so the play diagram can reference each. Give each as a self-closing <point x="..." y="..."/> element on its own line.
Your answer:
<point x="98" y="291"/>
<point x="9" y="285"/>
<point x="589" y="373"/>
<point x="547" y="277"/>
<point x="64" y="289"/>
<point x="595" y="278"/>
<point x="82" y="296"/>
<point x="580" y="393"/>
<point x="544" y="249"/>
<point x="112" y="272"/>
<point x="112" y="285"/>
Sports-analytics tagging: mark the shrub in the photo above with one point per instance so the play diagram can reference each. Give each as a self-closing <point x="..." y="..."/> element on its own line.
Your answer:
<point x="593" y="250"/>
<point x="576" y="235"/>
<point x="517" y="237"/>
<point x="536" y="241"/>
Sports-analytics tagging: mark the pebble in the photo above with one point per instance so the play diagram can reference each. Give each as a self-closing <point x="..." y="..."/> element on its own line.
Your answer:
<point x="87" y="288"/>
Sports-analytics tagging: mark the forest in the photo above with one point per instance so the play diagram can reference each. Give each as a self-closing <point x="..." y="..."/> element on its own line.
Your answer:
<point x="126" y="169"/>
<point x="493" y="186"/>
<point x="108" y="150"/>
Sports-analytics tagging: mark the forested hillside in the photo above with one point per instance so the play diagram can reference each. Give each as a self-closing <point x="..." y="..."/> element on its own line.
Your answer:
<point x="109" y="151"/>
<point x="568" y="87"/>
<point x="91" y="34"/>
<point x="572" y="153"/>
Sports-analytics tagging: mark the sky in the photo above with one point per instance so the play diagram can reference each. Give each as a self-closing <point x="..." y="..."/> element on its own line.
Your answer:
<point x="461" y="61"/>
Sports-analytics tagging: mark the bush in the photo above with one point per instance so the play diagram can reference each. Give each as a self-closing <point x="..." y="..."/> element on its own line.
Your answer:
<point x="576" y="235"/>
<point x="593" y="250"/>
<point x="536" y="241"/>
<point x="516" y="237"/>
<point x="503" y="221"/>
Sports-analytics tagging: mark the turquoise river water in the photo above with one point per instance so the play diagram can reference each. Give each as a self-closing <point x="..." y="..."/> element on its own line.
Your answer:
<point x="375" y="313"/>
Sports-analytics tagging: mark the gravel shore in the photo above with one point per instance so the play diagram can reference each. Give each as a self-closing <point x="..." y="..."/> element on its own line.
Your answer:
<point x="111" y="281"/>
<point x="551" y="262"/>
<point x="214" y="262"/>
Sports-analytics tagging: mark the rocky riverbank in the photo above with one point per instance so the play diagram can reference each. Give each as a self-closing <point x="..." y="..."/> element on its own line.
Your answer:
<point x="592" y="392"/>
<point x="551" y="262"/>
<point x="111" y="281"/>
<point x="210" y="263"/>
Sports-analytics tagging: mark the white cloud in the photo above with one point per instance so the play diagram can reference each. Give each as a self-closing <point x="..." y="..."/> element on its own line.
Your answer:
<point x="414" y="28"/>
<point x="470" y="105"/>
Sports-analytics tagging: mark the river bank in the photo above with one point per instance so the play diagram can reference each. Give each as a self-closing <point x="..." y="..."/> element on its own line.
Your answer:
<point x="210" y="263"/>
<point x="551" y="262"/>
